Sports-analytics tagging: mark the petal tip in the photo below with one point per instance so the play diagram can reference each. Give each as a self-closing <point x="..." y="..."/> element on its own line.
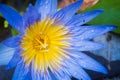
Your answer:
<point x="100" y="10"/>
<point x="113" y="27"/>
<point x="104" y="71"/>
<point x="7" y="67"/>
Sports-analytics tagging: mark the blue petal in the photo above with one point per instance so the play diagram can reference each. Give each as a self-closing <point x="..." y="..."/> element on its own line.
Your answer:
<point x="88" y="63"/>
<point x="86" y="45"/>
<point x="52" y="75"/>
<point x="14" y="60"/>
<point x="13" y="41"/>
<point x="61" y="74"/>
<point x="20" y="72"/>
<point x="66" y="13"/>
<point x="31" y="16"/>
<point x="83" y="18"/>
<point x="89" y="32"/>
<point x="46" y="7"/>
<point x="28" y="76"/>
<point x="35" y="74"/>
<point x="47" y="76"/>
<point x="13" y="17"/>
<point x="76" y="71"/>
<point x="6" y="54"/>
<point x="66" y="78"/>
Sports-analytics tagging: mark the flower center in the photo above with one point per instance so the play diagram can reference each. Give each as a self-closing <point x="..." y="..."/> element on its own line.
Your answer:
<point x="41" y="43"/>
<point x="44" y="44"/>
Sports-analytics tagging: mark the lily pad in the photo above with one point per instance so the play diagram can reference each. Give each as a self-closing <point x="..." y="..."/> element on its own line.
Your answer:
<point x="111" y="14"/>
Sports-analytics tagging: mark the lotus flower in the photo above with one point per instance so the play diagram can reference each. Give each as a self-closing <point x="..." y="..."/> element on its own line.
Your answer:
<point x="50" y="42"/>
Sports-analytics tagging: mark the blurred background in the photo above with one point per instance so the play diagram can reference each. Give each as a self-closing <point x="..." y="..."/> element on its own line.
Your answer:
<point x="109" y="56"/>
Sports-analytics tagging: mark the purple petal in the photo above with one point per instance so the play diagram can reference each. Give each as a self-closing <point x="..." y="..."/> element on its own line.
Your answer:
<point x="85" y="45"/>
<point x="89" y="32"/>
<point x="20" y="72"/>
<point x="31" y="16"/>
<point x="6" y="54"/>
<point x="14" y="60"/>
<point x="76" y="71"/>
<point x="88" y="63"/>
<point x="83" y="18"/>
<point x="13" y="41"/>
<point x="46" y="7"/>
<point x="66" y="13"/>
<point x="13" y="17"/>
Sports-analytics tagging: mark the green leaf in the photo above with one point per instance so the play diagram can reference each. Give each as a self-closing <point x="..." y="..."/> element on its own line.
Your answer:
<point x="14" y="32"/>
<point x="111" y="14"/>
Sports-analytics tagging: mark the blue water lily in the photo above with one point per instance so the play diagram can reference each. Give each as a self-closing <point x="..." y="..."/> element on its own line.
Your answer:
<point x="50" y="42"/>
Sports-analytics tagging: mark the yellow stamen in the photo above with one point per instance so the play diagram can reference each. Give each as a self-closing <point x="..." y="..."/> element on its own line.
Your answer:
<point x="43" y="43"/>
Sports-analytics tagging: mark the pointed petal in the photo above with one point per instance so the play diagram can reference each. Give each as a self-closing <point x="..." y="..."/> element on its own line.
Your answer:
<point x="66" y="78"/>
<point x="61" y="74"/>
<point x="13" y="41"/>
<point x="37" y="76"/>
<point x="83" y="18"/>
<point x="89" y="32"/>
<point x="76" y="71"/>
<point x="91" y="64"/>
<point x="52" y="75"/>
<point x="34" y="74"/>
<point x="13" y="17"/>
<point x="66" y="13"/>
<point x="31" y="16"/>
<point x="47" y="76"/>
<point x="20" y="72"/>
<point x="46" y="7"/>
<point x="6" y="54"/>
<point x="88" y="63"/>
<point x="14" y="60"/>
<point x="86" y="45"/>
<point x="28" y="76"/>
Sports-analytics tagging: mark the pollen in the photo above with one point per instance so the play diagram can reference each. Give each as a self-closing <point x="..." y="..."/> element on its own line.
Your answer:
<point x="43" y="45"/>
